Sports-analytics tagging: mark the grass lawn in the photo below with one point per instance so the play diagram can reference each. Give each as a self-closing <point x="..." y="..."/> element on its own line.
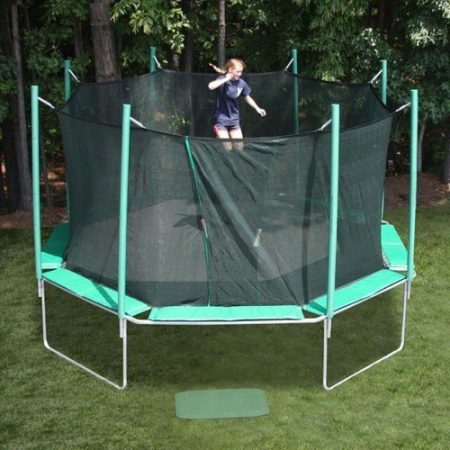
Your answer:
<point x="402" y="403"/>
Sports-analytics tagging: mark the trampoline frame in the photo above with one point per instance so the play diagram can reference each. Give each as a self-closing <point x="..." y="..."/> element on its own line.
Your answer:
<point x="124" y="336"/>
<point x="331" y="288"/>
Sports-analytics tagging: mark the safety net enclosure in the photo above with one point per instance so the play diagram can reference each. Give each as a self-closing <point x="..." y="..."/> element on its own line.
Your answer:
<point x="212" y="226"/>
<point x="181" y="103"/>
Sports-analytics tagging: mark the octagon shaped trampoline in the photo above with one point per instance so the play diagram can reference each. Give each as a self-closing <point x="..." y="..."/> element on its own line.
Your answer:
<point x="169" y="226"/>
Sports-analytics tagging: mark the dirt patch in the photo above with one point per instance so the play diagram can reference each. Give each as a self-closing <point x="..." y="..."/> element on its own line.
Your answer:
<point x="23" y="219"/>
<point x="431" y="192"/>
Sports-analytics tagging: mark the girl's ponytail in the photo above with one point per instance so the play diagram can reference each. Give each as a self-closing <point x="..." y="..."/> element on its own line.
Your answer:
<point x="217" y="69"/>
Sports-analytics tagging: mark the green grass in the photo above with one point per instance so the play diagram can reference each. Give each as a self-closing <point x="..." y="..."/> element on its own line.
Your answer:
<point x="402" y="403"/>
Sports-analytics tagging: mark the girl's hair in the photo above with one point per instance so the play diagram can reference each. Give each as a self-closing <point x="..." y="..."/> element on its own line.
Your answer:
<point x="231" y="63"/>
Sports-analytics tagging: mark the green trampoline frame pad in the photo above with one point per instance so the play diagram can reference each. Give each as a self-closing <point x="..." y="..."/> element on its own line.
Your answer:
<point x="394" y="251"/>
<point x="226" y="313"/>
<point x="221" y="404"/>
<point x="356" y="291"/>
<point x="96" y="293"/>
<point x="52" y="254"/>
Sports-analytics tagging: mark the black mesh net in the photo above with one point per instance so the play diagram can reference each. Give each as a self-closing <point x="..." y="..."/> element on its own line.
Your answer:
<point x="240" y="222"/>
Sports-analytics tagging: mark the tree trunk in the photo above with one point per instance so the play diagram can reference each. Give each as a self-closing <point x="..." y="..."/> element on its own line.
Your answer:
<point x="187" y="57"/>
<point x="221" y="39"/>
<point x="3" y="197"/>
<point x="446" y="166"/>
<point x="381" y="13"/>
<point x="21" y="138"/>
<point x="105" y="54"/>
<point x="78" y="38"/>
<point x="12" y="177"/>
<point x="176" y="61"/>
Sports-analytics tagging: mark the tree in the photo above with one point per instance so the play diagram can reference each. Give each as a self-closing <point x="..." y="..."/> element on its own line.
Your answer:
<point x="337" y="40"/>
<point x="187" y="61"/>
<point x="107" y="67"/>
<point x="21" y="124"/>
<point x="7" y="103"/>
<point x="221" y="34"/>
<point x="164" y="26"/>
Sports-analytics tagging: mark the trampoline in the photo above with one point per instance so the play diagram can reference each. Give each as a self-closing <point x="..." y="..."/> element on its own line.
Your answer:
<point x="167" y="226"/>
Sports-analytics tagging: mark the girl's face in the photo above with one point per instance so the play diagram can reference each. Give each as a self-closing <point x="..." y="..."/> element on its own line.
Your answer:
<point x="236" y="71"/>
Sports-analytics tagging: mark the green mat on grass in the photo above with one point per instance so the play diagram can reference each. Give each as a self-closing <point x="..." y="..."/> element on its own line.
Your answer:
<point x="220" y="404"/>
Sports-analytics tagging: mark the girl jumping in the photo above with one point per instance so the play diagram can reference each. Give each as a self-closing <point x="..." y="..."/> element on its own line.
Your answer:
<point x="229" y="87"/>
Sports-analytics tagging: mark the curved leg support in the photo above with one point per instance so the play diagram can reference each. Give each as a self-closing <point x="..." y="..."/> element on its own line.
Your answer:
<point x="326" y="326"/>
<point x="121" y="386"/>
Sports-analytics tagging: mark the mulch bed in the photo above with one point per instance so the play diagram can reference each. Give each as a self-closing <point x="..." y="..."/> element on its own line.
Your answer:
<point x="431" y="193"/>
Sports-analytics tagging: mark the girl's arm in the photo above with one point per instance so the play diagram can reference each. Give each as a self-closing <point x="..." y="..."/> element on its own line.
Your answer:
<point x="252" y="103"/>
<point x="216" y="83"/>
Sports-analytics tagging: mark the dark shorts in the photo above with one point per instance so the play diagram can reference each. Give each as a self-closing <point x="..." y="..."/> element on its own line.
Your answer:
<point x="220" y="127"/>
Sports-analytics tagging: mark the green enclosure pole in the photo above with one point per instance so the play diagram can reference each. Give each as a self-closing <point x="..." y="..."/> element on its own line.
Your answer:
<point x="296" y="120"/>
<point x="334" y="192"/>
<point x="152" y="59"/>
<point x="383" y="90"/>
<point x="295" y="72"/>
<point x="126" y="113"/>
<point x="413" y="180"/>
<point x="67" y="80"/>
<point x="67" y="93"/>
<point x="384" y="75"/>
<point x="36" y="192"/>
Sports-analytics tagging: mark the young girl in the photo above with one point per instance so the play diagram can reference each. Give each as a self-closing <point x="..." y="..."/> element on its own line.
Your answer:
<point x="229" y="87"/>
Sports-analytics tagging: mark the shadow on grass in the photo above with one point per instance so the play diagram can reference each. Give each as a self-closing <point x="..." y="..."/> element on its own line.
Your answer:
<point x="204" y="357"/>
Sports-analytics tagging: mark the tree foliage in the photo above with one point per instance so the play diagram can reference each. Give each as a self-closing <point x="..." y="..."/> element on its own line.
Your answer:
<point x="337" y="40"/>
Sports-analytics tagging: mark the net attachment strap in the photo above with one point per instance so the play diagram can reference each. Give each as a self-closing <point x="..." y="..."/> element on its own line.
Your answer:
<point x="157" y="62"/>
<point x="136" y="122"/>
<point x="289" y="64"/>
<point x="376" y="76"/>
<point x="406" y="105"/>
<point x="45" y="102"/>
<point x="324" y="125"/>
<point x="74" y="76"/>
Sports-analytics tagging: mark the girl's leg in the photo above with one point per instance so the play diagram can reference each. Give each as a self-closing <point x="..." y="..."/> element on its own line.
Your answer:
<point x="222" y="133"/>
<point x="237" y="134"/>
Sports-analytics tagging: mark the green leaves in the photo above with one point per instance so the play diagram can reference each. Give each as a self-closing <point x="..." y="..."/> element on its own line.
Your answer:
<point x="154" y="18"/>
<point x="7" y="84"/>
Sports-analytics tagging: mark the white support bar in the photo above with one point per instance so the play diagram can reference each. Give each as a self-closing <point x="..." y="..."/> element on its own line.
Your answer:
<point x="225" y="322"/>
<point x="289" y="65"/>
<point x="45" y="102"/>
<point x="375" y="77"/>
<point x="74" y="76"/>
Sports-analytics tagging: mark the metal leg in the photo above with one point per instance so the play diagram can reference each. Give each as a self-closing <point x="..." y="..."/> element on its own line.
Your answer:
<point x="81" y="366"/>
<point x="326" y="326"/>
<point x="408" y="288"/>
<point x="40" y="285"/>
